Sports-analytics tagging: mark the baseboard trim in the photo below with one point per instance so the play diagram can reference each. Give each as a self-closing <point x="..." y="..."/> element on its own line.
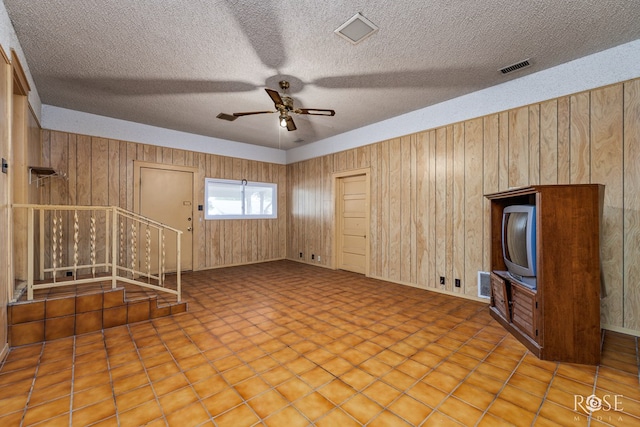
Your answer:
<point x="620" y="329"/>
<point x="436" y="290"/>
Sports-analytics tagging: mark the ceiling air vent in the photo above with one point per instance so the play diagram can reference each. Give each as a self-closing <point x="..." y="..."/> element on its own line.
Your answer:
<point x="225" y="116"/>
<point x="356" y="29"/>
<point x="514" y="67"/>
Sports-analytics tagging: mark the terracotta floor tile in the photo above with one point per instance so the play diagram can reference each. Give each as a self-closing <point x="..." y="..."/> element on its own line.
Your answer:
<point x="240" y="416"/>
<point x="313" y="406"/>
<point x="508" y="411"/>
<point x="15" y="403"/>
<point x="222" y="401"/>
<point x="460" y="411"/>
<point x="387" y="418"/>
<point x="238" y="374"/>
<point x="410" y="409"/>
<point x="474" y="396"/>
<point x="93" y="413"/>
<point x="91" y="396"/>
<point x="293" y="389"/>
<point x="281" y="333"/>
<point x="441" y="381"/>
<point x="337" y="417"/>
<point x="381" y="393"/>
<point x="122" y="385"/>
<point x="200" y="373"/>
<point x="289" y="417"/>
<point x="362" y="408"/>
<point x="192" y="415"/>
<point x="268" y="403"/>
<point x="134" y="398"/>
<point x="210" y="386"/>
<point x="276" y="375"/>
<point x="140" y="415"/>
<point x="170" y="384"/>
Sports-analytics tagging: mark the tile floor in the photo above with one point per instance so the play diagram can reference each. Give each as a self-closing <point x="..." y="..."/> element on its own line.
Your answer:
<point x="286" y="344"/>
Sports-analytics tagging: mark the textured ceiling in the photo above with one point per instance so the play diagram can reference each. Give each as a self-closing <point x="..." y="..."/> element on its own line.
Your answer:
<point x="177" y="64"/>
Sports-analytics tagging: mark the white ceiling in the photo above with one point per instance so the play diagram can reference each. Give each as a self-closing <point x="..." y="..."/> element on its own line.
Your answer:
<point x="176" y="64"/>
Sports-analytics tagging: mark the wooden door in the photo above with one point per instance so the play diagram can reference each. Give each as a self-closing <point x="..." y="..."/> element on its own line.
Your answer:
<point x="166" y="196"/>
<point x="353" y="223"/>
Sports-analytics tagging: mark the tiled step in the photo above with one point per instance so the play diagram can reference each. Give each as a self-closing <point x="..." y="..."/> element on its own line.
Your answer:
<point x="58" y="317"/>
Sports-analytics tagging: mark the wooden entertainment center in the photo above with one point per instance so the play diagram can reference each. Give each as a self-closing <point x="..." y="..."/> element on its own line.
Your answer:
<point x="560" y="319"/>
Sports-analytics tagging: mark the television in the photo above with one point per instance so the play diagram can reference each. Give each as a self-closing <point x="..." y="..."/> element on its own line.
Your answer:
<point x="519" y="243"/>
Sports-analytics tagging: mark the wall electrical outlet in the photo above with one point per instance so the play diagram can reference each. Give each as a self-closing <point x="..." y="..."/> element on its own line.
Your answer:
<point x="300" y="254"/>
<point x="457" y="283"/>
<point x="442" y="280"/>
<point x="318" y="258"/>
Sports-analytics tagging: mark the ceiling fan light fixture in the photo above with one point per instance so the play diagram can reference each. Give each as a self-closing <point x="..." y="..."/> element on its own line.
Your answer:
<point x="356" y="29"/>
<point x="283" y="120"/>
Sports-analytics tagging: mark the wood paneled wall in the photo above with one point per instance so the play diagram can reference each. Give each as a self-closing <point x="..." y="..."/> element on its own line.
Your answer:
<point x="100" y="172"/>
<point x="429" y="217"/>
<point x="5" y="248"/>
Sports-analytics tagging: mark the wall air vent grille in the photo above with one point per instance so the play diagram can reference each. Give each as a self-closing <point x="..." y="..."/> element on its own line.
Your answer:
<point x="520" y="65"/>
<point x="484" y="284"/>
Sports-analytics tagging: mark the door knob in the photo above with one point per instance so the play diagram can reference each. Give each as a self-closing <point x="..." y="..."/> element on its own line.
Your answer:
<point x="189" y="229"/>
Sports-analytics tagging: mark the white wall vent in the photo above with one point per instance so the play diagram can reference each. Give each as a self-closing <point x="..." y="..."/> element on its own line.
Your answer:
<point x="484" y="284"/>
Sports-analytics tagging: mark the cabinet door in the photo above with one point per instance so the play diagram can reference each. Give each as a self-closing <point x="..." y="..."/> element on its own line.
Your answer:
<point x="524" y="311"/>
<point x="499" y="298"/>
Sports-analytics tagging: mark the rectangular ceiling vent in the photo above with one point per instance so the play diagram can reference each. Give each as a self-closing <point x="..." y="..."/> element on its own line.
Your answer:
<point x="356" y="29"/>
<point x="511" y="68"/>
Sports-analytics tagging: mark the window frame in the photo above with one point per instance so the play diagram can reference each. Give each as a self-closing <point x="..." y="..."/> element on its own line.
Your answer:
<point x="243" y="184"/>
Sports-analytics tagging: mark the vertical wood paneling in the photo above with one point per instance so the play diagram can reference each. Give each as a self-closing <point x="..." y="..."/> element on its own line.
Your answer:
<point x="519" y="147"/>
<point x="413" y="265"/>
<point x="473" y="208"/>
<point x="503" y="150"/>
<point x="422" y="221"/>
<point x="458" y="207"/>
<point x="395" y="208"/>
<point x="549" y="142"/>
<point x="607" y="166"/>
<point x="441" y="206"/>
<point x="100" y="172"/>
<point x="580" y="172"/>
<point x="491" y="179"/>
<point x="405" y="209"/>
<point x="374" y="246"/>
<point x="449" y="211"/>
<point x="431" y="236"/>
<point x="564" y="148"/>
<point x="385" y="221"/>
<point x="534" y="144"/>
<point x="631" y="193"/>
<point x="114" y="173"/>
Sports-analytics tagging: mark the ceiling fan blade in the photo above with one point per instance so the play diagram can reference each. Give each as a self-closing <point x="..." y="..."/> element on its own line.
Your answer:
<point x="315" y="112"/>
<point x="290" y="125"/>
<point x="275" y="96"/>
<point x="252" y="113"/>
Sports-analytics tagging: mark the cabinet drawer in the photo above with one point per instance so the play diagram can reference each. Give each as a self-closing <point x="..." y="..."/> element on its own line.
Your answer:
<point x="523" y="310"/>
<point x="499" y="298"/>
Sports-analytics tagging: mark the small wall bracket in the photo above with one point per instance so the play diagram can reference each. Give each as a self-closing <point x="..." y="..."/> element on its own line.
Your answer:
<point x="42" y="173"/>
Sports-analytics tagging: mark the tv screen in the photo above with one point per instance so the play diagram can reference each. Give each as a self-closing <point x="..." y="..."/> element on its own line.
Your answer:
<point x="519" y="243"/>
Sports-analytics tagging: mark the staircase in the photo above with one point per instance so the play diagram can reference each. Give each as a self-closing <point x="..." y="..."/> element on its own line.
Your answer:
<point x="88" y="268"/>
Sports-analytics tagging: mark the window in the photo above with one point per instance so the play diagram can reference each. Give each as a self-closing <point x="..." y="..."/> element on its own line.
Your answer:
<point x="227" y="199"/>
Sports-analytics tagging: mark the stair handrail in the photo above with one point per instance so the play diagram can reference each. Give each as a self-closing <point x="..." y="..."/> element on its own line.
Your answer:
<point x="113" y="233"/>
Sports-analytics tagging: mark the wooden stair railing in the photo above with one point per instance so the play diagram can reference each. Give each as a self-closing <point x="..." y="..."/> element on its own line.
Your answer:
<point x="71" y="245"/>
